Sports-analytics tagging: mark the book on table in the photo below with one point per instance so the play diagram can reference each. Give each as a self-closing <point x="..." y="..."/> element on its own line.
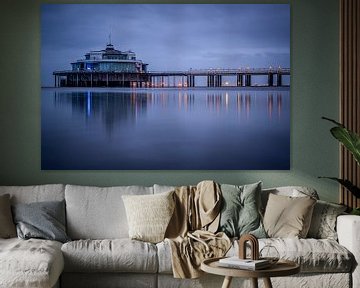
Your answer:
<point x="249" y="264"/>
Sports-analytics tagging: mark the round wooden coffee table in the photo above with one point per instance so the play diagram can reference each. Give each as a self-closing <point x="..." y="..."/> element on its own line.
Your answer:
<point x="281" y="268"/>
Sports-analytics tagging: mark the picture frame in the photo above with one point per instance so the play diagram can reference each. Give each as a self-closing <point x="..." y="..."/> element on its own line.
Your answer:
<point x="165" y="86"/>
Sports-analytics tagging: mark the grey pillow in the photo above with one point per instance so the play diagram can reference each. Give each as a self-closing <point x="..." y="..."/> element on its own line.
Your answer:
<point x="323" y="222"/>
<point x="44" y="220"/>
<point x="7" y="227"/>
<point x="240" y="213"/>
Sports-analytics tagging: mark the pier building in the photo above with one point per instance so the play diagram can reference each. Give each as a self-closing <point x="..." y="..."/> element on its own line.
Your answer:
<point x="108" y="68"/>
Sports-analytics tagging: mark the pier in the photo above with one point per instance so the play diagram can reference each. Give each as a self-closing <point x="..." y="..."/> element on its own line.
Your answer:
<point x="242" y="77"/>
<point x="90" y="78"/>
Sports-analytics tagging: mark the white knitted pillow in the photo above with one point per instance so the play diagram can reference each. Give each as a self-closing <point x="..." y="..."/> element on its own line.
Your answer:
<point x="149" y="215"/>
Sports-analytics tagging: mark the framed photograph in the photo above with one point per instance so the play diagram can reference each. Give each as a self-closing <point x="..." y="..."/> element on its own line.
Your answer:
<point x="165" y="86"/>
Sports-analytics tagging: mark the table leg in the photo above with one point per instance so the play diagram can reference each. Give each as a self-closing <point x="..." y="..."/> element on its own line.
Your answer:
<point x="227" y="282"/>
<point x="267" y="283"/>
<point x="254" y="282"/>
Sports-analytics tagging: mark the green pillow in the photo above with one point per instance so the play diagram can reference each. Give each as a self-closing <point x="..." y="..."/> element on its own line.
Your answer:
<point x="240" y="213"/>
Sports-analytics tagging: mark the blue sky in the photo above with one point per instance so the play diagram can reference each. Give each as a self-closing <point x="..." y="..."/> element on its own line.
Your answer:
<point x="167" y="36"/>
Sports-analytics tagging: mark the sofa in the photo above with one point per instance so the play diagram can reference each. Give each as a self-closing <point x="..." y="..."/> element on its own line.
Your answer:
<point x="99" y="252"/>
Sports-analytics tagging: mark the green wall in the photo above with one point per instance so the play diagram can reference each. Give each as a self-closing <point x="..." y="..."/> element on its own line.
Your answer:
<point x="314" y="93"/>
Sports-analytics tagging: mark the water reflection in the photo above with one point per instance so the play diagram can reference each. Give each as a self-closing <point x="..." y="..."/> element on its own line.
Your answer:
<point x="218" y="128"/>
<point x="271" y="104"/>
<point x="127" y="107"/>
<point x="109" y="108"/>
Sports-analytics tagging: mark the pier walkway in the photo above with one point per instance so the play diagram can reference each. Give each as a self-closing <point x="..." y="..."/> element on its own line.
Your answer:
<point x="242" y="77"/>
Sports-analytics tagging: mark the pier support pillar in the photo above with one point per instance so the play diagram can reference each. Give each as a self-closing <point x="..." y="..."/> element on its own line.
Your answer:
<point x="123" y="80"/>
<point x="270" y="79"/>
<point x="279" y="80"/>
<point x="239" y="80"/>
<point x="218" y="80"/>
<point x="190" y="81"/>
<point x="210" y="80"/>
<point x="247" y="80"/>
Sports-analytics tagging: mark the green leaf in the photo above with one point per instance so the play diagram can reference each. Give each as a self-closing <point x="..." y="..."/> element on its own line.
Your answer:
<point x="333" y="121"/>
<point x="355" y="211"/>
<point x="347" y="184"/>
<point x="348" y="138"/>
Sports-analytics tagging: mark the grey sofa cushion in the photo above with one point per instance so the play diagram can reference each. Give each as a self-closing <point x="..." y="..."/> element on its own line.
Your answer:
<point x="313" y="255"/>
<point x="31" y="263"/>
<point x="163" y="188"/>
<point x="117" y="255"/>
<point x="109" y="280"/>
<point x="98" y="212"/>
<point x="44" y="220"/>
<point x="35" y="193"/>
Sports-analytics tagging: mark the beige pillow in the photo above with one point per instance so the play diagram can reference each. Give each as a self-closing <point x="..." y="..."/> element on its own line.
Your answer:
<point x="7" y="226"/>
<point x="149" y="215"/>
<point x="288" y="217"/>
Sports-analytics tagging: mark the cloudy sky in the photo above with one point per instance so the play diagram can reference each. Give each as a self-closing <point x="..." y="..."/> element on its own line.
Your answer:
<point x="167" y="36"/>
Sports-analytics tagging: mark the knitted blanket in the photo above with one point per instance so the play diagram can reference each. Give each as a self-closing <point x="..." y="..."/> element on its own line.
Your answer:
<point x="191" y="232"/>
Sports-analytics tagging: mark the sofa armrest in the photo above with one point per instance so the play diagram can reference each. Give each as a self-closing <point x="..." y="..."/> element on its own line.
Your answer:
<point x="348" y="230"/>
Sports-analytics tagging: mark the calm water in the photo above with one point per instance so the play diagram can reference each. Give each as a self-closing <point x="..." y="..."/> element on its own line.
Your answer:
<point x="166" y="128"/>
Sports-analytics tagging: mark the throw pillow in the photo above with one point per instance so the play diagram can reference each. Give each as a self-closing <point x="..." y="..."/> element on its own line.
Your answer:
<point x="7" y="226"/>
<point x="288" y="217"/>
<point x="323" y="222"/>
<point x="149" y="215"/>
<point x="293" y="191"/>
<point x="240" y="213"/>
<point x="44" y="220"/>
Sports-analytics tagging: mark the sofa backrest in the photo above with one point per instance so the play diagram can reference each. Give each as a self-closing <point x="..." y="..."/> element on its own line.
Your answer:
<point x="98" y="212"/>
<point x="36" y="193"/>
<point x="163" y="188"/>
<point x="293" y="191"/>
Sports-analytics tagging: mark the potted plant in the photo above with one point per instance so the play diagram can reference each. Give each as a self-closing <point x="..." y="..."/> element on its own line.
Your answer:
<point x="351" y="141"/>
